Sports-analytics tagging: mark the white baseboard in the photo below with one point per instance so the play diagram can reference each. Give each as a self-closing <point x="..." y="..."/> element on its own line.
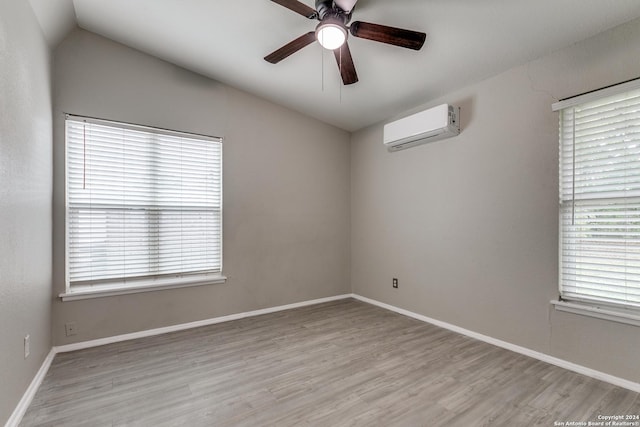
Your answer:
<point x="27" y="397"/>
<point x="24" y="403"/>
<point x="183" y="326"/>
<point x="621" y="382"/>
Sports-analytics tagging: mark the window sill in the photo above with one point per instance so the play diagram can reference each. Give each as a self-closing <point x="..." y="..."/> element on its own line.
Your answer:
<point x="629" y="318"/>
<point x="113" y="289"/>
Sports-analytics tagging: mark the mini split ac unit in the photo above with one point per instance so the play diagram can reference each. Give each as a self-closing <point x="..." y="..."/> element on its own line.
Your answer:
<point x="430" y="125"/>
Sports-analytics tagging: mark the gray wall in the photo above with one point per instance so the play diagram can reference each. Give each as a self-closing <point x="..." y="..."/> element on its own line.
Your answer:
<point x="286" y="188"/>
<point x="25" y="200"/>
<point x="469" y="225"/>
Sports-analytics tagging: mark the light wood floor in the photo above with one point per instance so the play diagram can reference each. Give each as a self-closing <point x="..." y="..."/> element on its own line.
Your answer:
<point x="333" y="364"/>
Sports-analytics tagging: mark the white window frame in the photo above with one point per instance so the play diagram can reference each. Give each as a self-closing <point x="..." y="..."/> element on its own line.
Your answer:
<point x="102" y="288"/>
<point x="630" y="313"/>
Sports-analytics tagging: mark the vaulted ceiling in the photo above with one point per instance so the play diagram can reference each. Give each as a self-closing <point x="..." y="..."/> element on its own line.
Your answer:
<point x="467" y="41"/>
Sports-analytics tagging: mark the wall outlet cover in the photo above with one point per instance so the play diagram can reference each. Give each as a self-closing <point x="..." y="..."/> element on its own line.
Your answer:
<point x="27" y="346"/>
<point x="70" y="328"/>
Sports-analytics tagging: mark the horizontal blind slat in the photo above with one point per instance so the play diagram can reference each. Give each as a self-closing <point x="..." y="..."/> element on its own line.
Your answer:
<point x="141" y="204"/>
<point x="600" y="200"/>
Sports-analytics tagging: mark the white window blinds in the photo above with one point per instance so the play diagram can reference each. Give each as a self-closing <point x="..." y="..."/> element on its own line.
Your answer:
<point x="600" y="200"/>
<point x="142" y="203"/>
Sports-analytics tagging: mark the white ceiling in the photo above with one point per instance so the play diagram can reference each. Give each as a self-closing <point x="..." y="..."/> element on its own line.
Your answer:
<point x="467" y="41"/>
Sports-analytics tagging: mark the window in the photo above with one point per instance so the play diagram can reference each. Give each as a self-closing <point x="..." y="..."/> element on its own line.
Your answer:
<point x="600" y="198"/>
<point x="143" y="207"/>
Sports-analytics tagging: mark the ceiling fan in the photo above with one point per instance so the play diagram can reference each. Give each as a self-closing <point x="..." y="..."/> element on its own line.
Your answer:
<point x="332" y="32"/>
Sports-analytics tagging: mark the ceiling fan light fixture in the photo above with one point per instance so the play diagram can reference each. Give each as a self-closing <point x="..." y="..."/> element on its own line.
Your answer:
<point x="331" y="35"/>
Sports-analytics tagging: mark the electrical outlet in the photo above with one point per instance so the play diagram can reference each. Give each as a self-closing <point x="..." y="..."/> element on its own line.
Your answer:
<point x="395" y="283"/>
<point x="27" y="346"/>
<point x="70" y="328"/>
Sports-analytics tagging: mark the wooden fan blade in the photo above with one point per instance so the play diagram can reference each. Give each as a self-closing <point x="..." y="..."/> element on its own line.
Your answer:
<point x="390" y="35"/>
<point x="291" y="48"/>
<point x="298" y="7"/>
<point x="345" y="64"/>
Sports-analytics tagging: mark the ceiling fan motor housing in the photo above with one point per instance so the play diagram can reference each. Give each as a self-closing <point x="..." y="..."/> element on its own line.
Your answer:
<point x="328" y="10"/>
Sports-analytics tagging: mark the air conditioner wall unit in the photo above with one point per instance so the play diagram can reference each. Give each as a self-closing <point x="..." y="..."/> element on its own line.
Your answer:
<point x="426" y="126"/>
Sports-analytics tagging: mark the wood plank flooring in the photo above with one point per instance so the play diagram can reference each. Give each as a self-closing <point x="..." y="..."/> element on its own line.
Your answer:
<point x="344" y="363"/>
